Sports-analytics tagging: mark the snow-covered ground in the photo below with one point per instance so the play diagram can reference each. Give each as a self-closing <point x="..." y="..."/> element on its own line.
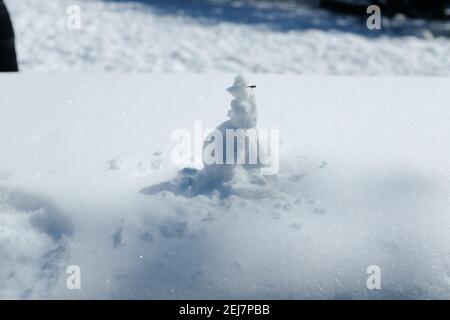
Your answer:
<point x="364" y="180"/>
<point x="207" y="36"/>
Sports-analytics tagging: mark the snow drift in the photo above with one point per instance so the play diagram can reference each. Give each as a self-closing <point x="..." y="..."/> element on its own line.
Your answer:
<point x="363" y="181"/>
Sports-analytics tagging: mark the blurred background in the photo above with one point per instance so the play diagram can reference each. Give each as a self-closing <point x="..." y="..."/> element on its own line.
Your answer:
<point x="210" y="36"/>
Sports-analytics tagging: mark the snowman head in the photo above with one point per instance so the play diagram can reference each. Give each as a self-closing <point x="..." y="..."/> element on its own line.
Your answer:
<point x="239" y="90"/>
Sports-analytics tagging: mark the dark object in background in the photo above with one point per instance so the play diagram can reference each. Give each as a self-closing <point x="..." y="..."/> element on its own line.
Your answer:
<point x="430" y="9"/>
<point x="8" y="59"/>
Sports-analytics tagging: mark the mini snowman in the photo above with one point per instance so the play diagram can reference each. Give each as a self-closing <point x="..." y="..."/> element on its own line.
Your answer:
<point x="243" y="117"/>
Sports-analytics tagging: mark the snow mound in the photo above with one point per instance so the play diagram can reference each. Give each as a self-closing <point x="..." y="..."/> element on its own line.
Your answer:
<point x="33" y="245"/>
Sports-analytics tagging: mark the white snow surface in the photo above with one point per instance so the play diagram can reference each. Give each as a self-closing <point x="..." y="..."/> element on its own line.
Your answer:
<point x="364" y="180"/>
<point x="210" y="36"/>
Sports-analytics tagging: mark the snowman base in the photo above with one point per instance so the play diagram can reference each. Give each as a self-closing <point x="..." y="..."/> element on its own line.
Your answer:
<point x="191" y="182"/>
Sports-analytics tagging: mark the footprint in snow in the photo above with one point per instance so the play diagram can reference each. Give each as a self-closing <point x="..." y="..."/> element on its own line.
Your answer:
<point x="323" y="165"/>
<point x="297" y="177"/>
<point x="147" y="236"/>
<point x="135" y="165"/>
<point x="285" y="206"/>
<point x="117" y="237"/>
<point x="319" y="211"/>
<point x="297" y="226"/>
<point x="174" y="229"/>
